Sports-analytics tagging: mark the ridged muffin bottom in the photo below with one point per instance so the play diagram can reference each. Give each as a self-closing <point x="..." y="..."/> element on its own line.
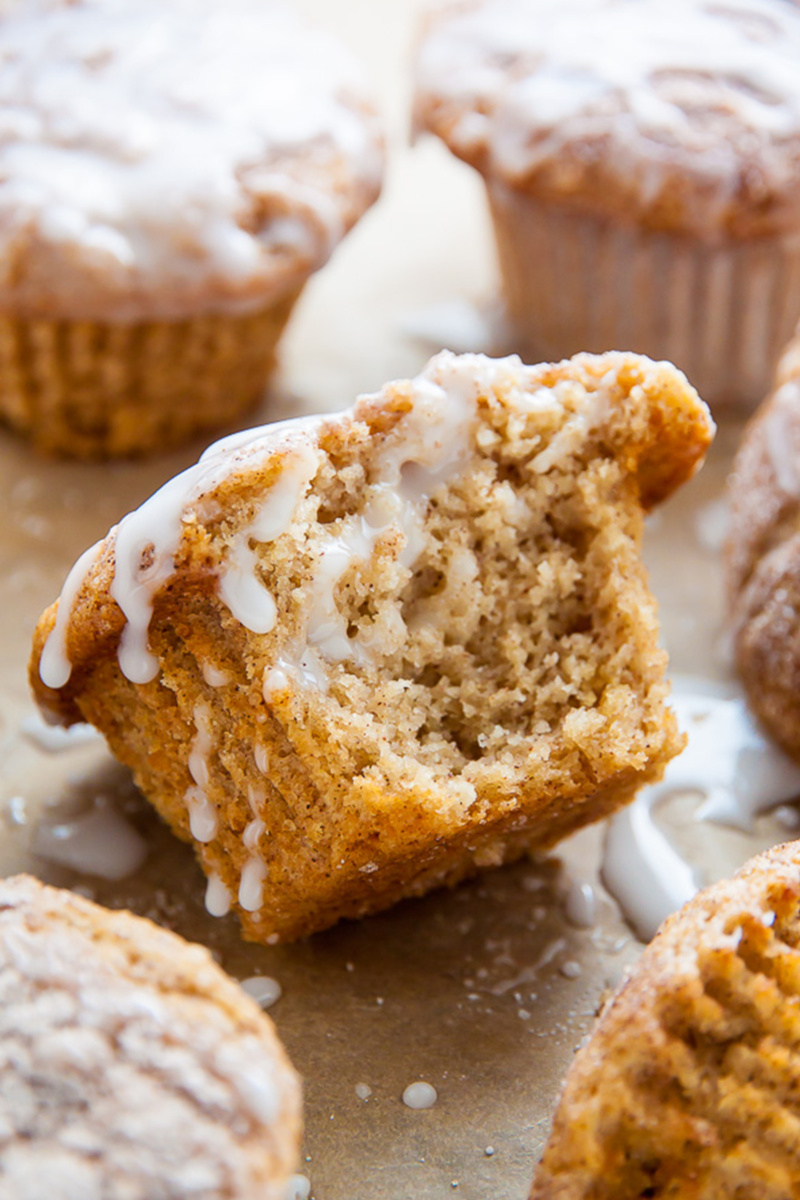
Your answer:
<point x="94" y="390"/>
<point x="721" y="311"/>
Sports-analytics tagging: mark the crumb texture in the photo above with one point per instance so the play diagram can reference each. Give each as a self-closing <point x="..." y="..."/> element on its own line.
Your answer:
<point x="389" y="647"/>
<point x="131" y="1067"/>
<point x="688" y="1086"/>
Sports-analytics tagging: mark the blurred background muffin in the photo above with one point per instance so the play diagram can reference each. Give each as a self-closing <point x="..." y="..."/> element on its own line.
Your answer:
<point x="171" y="173"/>
<point x="642" y="161"/>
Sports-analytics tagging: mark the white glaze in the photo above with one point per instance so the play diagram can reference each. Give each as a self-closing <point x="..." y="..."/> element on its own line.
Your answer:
<point x="298" y="1187"/>
<point x="203" y="816"/>
<point x="420" y="1095"/>
<point x="98" y="842"/>
<point x="202" y="745"/>
<point x="739" y="775"/>
<point x="54" y="664"/>
<point x="252" y="833"/>
<point x="218" y="898"/>
<point x="264" y="990"/>
<point x="251" y="884"/>
<point x="215" y="677"/>
<point x="580" y="904"/>
<point x="521" y="79"/>
<point x="240" y="586"/>
<point x="146" y="541"/>
<point x="55" y="739"/>
<point x="173" y="162"/>
<point x="427" y="448"/>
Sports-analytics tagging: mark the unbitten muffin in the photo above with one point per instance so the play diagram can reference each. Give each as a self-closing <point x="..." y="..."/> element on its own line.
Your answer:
<point x="762" y="556"/>
<point x="642" y="165"/>
<point x="171" y="173"/>
<point x="358" y="656"/>
<point x="130" y="1064"/>
<point x="690" y="1084"/>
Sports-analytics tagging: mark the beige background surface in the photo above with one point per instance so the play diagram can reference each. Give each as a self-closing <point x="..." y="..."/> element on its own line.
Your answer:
<point x="467" y="990"/>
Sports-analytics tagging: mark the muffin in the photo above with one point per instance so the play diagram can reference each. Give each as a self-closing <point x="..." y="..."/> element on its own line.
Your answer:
<point x="171" y="173"/>
<point x="642" y="164"/>
<point x="762" y="556"/>
<point x="688" y="1086"/>
<point x="130" y="1064"/>
<point x="358" y="656"/>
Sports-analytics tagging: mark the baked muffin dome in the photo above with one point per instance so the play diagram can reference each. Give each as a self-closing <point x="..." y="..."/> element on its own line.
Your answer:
<point x="166" y="169"/>
<point x="355" y="657"/>
<point x="642" y="161"/>
<point x="132" y="1066"/>
<point x="688" y="1084"/>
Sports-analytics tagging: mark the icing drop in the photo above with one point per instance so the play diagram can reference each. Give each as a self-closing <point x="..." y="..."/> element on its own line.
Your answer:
<point x="298" y="1187"/>
<point x="98" y="842"/>
<point x="215" y="676"/>
<point x="264" y="990"/>
<point x="203" y="817"/>
<point x="218" y="898"/>
<point x="251" y="884"/>
<point x="580" y="904"/>
<point x="420" y="1095"/>
<point x="54" y="664"/>
<point x="202" y="744"/>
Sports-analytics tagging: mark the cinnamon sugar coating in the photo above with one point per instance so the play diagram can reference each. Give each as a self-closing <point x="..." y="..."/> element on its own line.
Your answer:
<point x="675" y="115"/>
<point x="763" y="557"/>
<point x="131" y="1065"/>
<point x="392" y="646"/>
<point x="688" y="1086"/>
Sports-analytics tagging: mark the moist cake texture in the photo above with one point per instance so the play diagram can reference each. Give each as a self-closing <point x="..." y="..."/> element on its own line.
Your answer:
<point x="131" y="1066"/>
<point x="688" y="1086"/>
<point x="355" y="657"/>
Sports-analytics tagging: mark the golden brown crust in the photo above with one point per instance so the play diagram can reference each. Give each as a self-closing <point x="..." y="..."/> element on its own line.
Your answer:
<point x="84" y="389"/>
<point x="762" y="549"/>
<point x="517" y="689"/>
<point x="688" y="1086"/>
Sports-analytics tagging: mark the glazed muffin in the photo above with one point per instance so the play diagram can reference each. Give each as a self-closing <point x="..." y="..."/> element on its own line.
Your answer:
<point x="130" y="1064"/>
<point x="762" y="556"/>
<point x="359" y="656"/>
<point x="642" y="164"/>
<point x="688" y="1086"/>
<point x="171" y="174"/>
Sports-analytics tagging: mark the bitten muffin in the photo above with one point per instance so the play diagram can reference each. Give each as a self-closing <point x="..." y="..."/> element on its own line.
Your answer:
<point x="359" y="656"/>
<point x="642" y="162"/>
<point x="130" y="1064"/>
<point x="689" y="1085"/>
<point x="762" y="556"/>
<point x="171" y="173"/>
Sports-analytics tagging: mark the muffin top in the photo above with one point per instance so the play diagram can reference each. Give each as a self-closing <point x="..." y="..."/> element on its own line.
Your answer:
<point x="166" y="158"/>
<point x="682" y="115"/>
<point x="133" y="1067"/>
